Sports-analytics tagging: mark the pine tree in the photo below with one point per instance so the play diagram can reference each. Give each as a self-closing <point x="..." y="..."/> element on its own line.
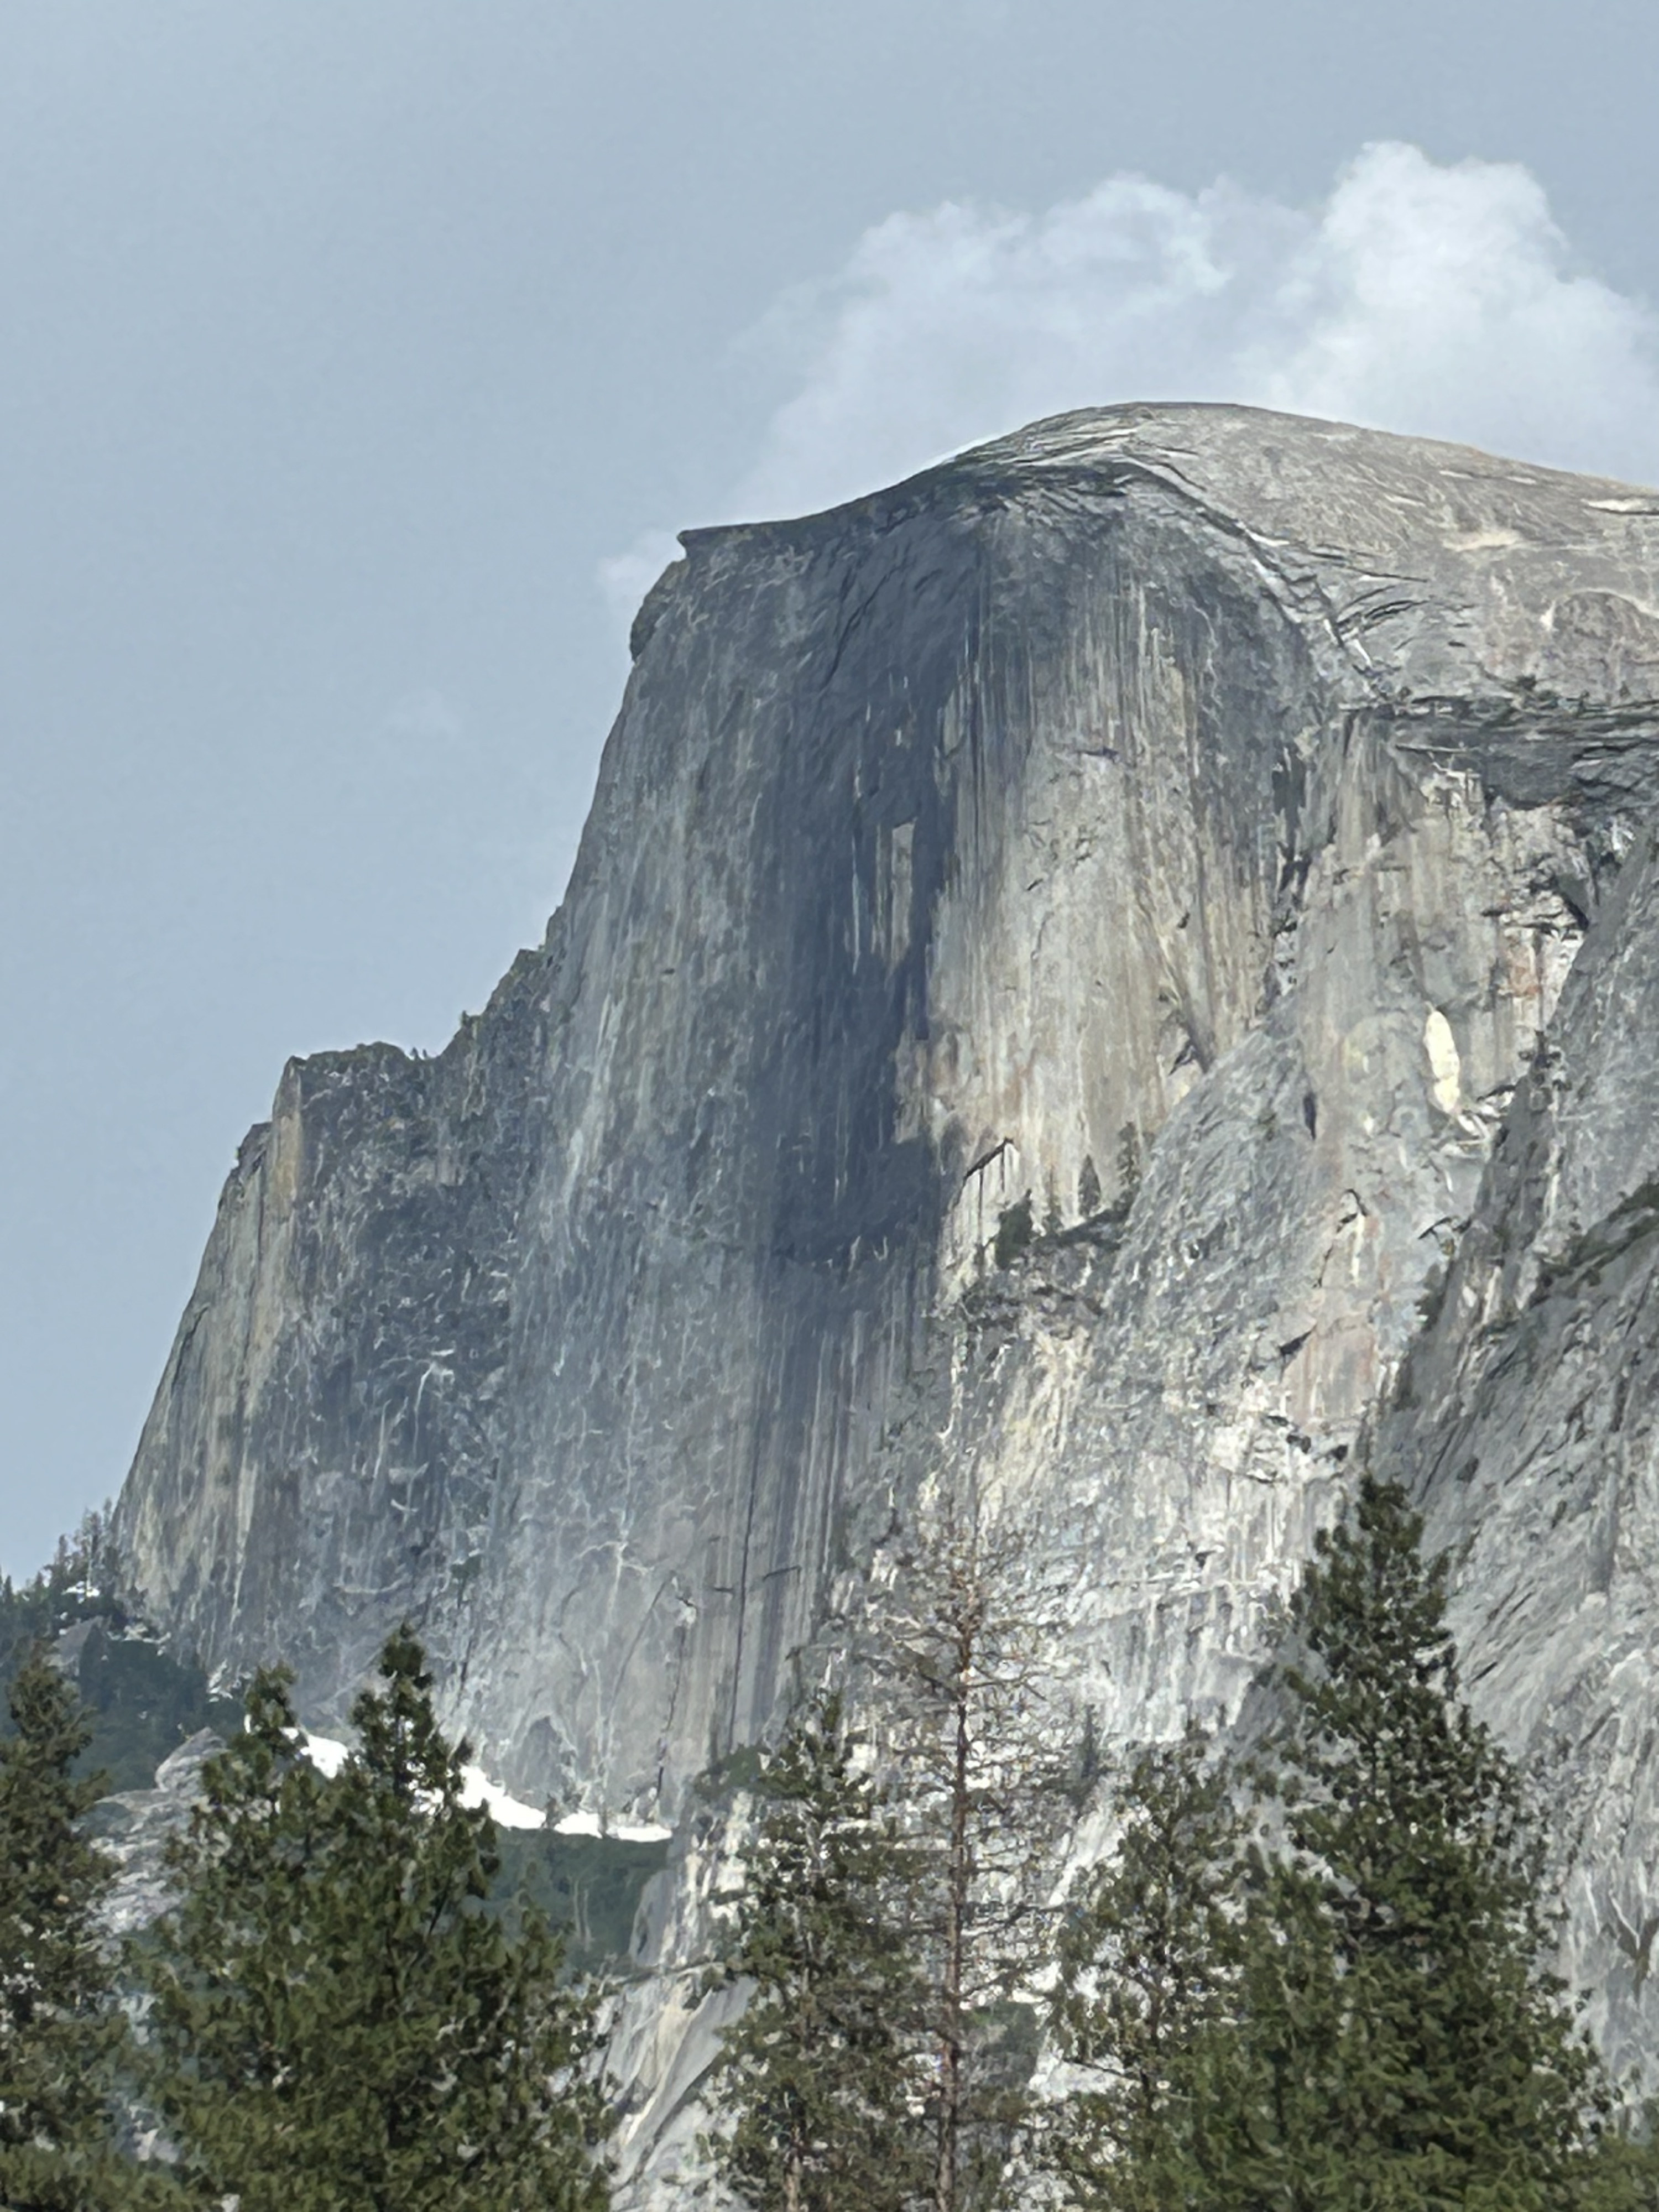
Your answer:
<point x="62" y="2038"/>
<point x="963" y="1661"/>
<point x="338" y="2020"/>
<point x="1620" y="2173"/>
<point x="1146" y="1988"/>
<point x="1403" y="2044"/>
<point x="818" y="2082"/>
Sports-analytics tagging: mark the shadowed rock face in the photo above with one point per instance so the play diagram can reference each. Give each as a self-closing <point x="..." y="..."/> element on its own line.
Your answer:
<point x="1185" y="819"/>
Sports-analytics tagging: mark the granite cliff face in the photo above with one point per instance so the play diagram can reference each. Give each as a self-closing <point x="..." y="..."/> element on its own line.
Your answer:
<point x="1233" y="834"/>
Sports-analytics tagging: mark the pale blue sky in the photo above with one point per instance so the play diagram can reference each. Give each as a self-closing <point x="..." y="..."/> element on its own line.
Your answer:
<point x="346" y="339"/>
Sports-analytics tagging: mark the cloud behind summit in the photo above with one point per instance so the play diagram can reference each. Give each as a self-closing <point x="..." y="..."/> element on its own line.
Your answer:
<point x="1437" y="299"/>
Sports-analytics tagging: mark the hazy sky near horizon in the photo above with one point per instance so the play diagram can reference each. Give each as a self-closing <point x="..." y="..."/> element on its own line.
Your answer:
<point x="361" y="357"/>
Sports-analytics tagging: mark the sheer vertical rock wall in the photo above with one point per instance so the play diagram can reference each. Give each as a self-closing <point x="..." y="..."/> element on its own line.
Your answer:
<point x="1229" y="836"/>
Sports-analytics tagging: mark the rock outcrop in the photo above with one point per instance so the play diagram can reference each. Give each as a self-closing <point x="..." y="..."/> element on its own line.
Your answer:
<point x="1127" y="960"/>
<point x="135" y="1828"/>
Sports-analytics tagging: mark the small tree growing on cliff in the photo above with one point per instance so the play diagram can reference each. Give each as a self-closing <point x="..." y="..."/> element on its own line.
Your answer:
<point x="818" y="2082"/>
<point x="338" y="2019"/>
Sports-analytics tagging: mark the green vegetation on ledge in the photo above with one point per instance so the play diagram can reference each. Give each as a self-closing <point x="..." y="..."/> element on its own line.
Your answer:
<point x="142" y="1702"/>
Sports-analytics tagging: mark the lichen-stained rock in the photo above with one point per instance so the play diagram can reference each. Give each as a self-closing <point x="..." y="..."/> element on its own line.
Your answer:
<point x="1064" y="958"/>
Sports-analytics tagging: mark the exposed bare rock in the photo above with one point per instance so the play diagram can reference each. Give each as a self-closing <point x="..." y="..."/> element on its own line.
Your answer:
<point x="1527" y="1424"/>
<point x="1065" y="958"/>
<point x="136" y="1826"/>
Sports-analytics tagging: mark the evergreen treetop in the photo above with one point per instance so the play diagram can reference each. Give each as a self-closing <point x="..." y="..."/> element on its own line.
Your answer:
<point x="818" y="2085"/>
<point x="1407" y="2036"/>
<point x="338" y="2020"/>
<point x="62" y="2038"/>
<point x="964" y="1661"/>
<point x="1147" y="1960"/>
<point x="1333" y="1997"/>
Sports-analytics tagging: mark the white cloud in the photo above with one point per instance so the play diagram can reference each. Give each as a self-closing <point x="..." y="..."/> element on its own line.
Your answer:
<point x="1437" y="299"/>
<point x="955" y="325"/>
<point x="1445" y="301"/>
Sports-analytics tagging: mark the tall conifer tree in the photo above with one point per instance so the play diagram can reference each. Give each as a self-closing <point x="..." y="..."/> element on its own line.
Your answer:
<point x="964" y="1660"/>
<point x="1354" y="2013"/>
<point x="1146" y="1989"/>
<point x="63" y="2039"/>
<point x="339" y="2022"/>
<point x="819" y="2084"/>
<point x="1407" y="2045"/>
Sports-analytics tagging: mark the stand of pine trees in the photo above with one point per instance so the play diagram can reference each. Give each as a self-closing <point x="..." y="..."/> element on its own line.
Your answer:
<point x="1315" y="1983"/>
<point x="333" y="2017"/>
<point x="1319" y="1984"/>
<point x="336" y="2020"/>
